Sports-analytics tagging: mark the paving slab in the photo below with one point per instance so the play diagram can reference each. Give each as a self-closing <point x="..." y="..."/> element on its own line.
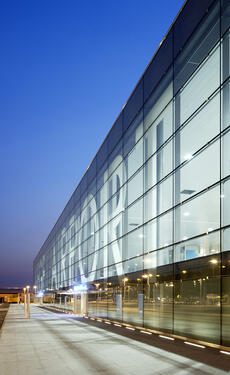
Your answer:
<point x="58" y="343"/>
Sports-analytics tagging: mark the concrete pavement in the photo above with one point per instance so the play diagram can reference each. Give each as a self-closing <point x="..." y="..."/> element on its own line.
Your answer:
<point x="57" y="343"/>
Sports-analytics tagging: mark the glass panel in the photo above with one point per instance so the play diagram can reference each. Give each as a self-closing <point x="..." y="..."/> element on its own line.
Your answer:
<point x="225" y="154"/>
<point x="200" y="43"/>
<point x="225" y="15"/>
<point x="150" y="177"/>
<point x="200" y="215"/>
<point x="115" y="298"/>
<point x="133" y="298"/>
<point x="134" y="105"/>
<point x="197" y="295"/>
<point x="200" y="172"/>
<point x="133" y="216"/>
<point x="158" y="294"/>
<point x="135" y="187"/>
<point x="160" y="111"/>
<point x="134" y="159"/>
<point x="226" y="298"/>
<point x="202" y="127"/>
<point x="225" y="200"/>
<point x="133" y="134"/>
<point x="200" y="86"/>
<point x="157" y="69"/>
<point x="133" y="244"/>
<point x="198" y="247"/>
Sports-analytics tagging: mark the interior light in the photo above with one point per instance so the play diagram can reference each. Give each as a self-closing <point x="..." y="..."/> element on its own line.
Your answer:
<point x="186" y="214"/>
<point x="188" y="157"/>
<point x="210" y="229"/>
<point x="184" y="271"/>
<point x="214" y="261"/>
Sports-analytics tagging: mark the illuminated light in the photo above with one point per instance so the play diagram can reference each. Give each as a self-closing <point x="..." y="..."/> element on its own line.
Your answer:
<point x="166" y="244"/>
<point x="138" y="279"/>
<point x="125" y="279"/>
<point x="167" y="337"/>
<point x="188" y="157"/>
<point x="210" y="229"/>
<point x="186" y="213"/>
<point x="224" y="352"/>
<point x="147" y="333"/>
<point x="80" y="288"/>
<point x="92" y="233"/>
<point x="27" y="287"/>
<point x="99" y="320"/>
<point x="222" y="196"/>
<point x="184" y="238"/>
<point x="223" y="266"/>
<point x="117" y="325"/>
<point x="40" y="294"/>
<point x="184" y="271"/>
<point x="213" y="251"/>
<point x="92" y="318"/>
<point x="145" y="276"/>
<point x="132" y="329"/>
<point x="214" y="261"/>
<point x="157" y="275"/>
<point x="140" y="235"/>
<point x="107" y="323"/>
<point x="86" y="317"/>
<point x="192" y="344"/>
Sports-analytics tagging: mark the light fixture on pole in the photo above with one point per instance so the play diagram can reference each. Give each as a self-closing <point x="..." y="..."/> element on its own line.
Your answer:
<point x="28" y="301"/>
<point x="24" y="290"/>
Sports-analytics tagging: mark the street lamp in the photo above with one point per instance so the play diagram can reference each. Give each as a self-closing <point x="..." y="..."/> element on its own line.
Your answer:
<point x="28" y="300"/>
<point x="24" y="290"/>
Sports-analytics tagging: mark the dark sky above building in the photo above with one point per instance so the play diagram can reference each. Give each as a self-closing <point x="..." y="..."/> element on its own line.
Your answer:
<point x="66" y="70"/>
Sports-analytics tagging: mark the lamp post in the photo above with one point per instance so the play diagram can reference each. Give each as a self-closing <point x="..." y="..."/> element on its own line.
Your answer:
<point x="28" y="301"/>
<point x="24" y="290"/>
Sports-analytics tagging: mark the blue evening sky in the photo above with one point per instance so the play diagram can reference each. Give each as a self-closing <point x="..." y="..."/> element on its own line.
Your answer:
<point x="67" y="67"/>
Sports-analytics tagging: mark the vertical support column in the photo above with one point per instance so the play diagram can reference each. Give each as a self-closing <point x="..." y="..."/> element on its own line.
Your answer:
<point x="84" y="303"/>
<point x="225" y="75"/>
<point x="24" y="302"/>
<point x="159" y="174"/>
<point x="177" y="214"/>
<point x="28" y="304"/>
<point x="75" y="304"/>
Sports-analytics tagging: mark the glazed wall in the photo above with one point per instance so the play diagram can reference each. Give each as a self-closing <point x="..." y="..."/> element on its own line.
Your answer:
<point x="148" y="227"/>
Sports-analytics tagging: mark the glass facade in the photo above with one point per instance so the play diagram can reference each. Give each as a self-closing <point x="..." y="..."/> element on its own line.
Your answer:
<point x="148" y="227"/>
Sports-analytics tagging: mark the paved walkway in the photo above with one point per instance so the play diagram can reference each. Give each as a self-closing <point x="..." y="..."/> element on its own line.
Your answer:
<point x="57" y="344"/>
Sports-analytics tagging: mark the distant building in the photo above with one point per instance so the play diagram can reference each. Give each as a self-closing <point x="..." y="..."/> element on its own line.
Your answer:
<point x="147" y="230"/>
